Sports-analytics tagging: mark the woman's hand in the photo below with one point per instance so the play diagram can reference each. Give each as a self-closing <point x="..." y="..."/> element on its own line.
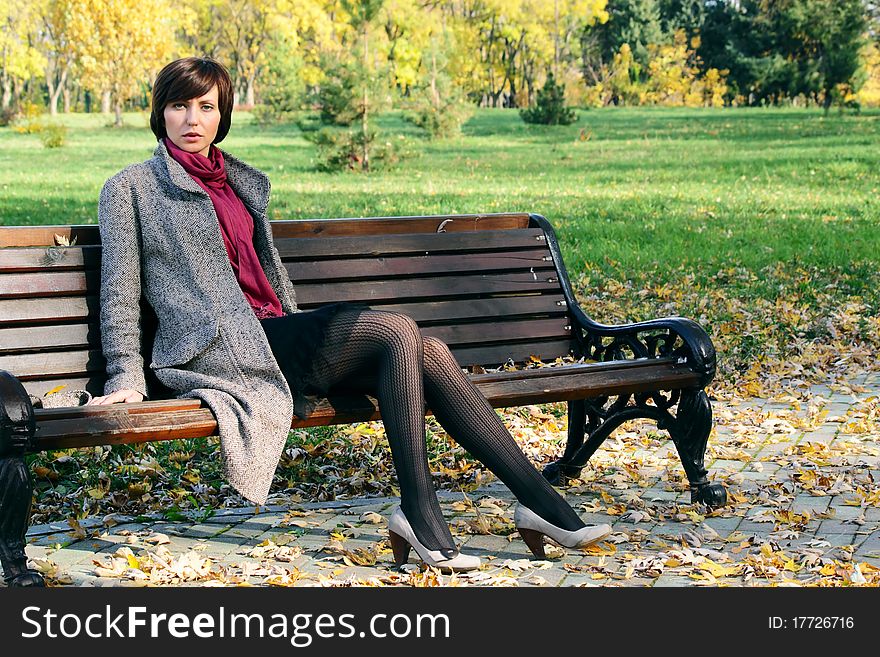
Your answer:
<point x="118" y="396"/>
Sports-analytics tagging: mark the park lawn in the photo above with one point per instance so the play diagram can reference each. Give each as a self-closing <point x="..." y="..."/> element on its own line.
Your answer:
<point x="633" y="188"/>
<point x="761" y="224"/>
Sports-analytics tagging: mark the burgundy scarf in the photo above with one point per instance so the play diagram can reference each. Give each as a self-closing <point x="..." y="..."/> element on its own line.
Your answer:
<point x="236" y="227"/>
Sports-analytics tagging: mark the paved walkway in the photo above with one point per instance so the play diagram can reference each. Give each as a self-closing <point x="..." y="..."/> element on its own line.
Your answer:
<point x="804" y="480"/>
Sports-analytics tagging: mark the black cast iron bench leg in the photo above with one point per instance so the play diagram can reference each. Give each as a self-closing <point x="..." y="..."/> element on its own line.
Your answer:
<point x="591" y="421"/>
<point x="17" y="429"/>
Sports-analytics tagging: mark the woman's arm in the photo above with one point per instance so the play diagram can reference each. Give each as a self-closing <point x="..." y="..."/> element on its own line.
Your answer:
<point x="120" y="292"/>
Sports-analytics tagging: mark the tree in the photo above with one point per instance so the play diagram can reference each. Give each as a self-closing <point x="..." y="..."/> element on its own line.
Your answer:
<point x="240" y="32"/>
<point x="20" y="60"/>
<point x="869" y="93"/>
<point x="117" y="54"/>
<point x="58" y="49"/>
<point x="635" y="23"/>
<point x="550" y="108"/>
<point x="362" y="13"/>
<point x="687" y="15"/>
<point x="786" y="48"/>
<point x="828" y="37"/>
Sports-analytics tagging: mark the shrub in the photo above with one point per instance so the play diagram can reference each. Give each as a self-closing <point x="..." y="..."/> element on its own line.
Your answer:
<point x="342" y="150"/>
<point x="441" y="112"/>
<point x="53" y="135"/>
<point x="340" y="95"/>
<point x="550" y="108"/>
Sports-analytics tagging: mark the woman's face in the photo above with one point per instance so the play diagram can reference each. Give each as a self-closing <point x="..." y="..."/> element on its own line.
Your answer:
<point x="192" y="124"/>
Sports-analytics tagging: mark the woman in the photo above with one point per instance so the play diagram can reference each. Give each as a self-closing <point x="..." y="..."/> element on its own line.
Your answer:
<point x="188" y="230"/>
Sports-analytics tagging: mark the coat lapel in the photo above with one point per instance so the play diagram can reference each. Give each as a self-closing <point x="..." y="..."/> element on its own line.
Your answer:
<point x="251" y="185"/>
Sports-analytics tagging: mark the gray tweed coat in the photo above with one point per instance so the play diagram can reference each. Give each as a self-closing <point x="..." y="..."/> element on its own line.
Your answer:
<point x="160" y="236"/>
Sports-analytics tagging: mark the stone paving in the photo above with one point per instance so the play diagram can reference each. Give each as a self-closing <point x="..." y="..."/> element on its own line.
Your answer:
<point x="345" y="541"/>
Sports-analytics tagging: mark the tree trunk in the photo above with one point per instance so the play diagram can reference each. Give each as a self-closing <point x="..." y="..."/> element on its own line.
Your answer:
<point x="118" y="109"/>
<point x="435" y="96"/>
<point x="365" y="163"/>
<point x="249" y="92"/>
<point x="65" y="94"/>
<point x="105" y="102"/>
<point x="7" y="92"/>
<point x="55" y="89"/>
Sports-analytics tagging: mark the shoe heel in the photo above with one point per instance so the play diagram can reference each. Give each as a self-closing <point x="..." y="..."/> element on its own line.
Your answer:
<point x="534" y="540"/>
<point x="400" y="546"/>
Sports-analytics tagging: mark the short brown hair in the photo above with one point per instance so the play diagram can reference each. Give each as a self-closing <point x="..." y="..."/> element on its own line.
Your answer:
<point x="188" y="78"/>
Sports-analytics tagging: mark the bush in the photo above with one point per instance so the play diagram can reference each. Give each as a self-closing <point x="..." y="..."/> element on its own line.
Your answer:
<point x="340" y="95"/>
<point x="440" y="116"/>
<point x="53" y="135"/>
<point x="550" y="108"/>
<point x="342" y="150"/>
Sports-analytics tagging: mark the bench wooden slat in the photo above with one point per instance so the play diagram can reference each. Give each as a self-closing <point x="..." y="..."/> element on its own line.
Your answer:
<point x="518" y="352"/>
<point x="48" y="284"/>
<point x="421" y="288"/>
<point x="296" y="249"/>
<point x="458" y="310"/>
<point x="53" y="364"/>
<point x="86" y="234"/>
<point x="59" y="309"/>
<point x="78" y="282"/>
<point x="67" y="364"/>
<point x="153" y="406"/>
<point x="56" y="258"/>
<point x="45" y="235"/>
<point x="352" y="269"/>
<point x="63" y="336"/>
<point x="517" y="391"/>
<point x="397" y="225"/>
<point x="120" y="428"/>
<point x="62" y="309"/>
<point x="53" y="258"/>
<point x="39" y="387"/>
<point x="488" y="332"/>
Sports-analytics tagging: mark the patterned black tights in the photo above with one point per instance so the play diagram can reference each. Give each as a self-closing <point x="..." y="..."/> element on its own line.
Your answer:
<point x="412" y="370"/>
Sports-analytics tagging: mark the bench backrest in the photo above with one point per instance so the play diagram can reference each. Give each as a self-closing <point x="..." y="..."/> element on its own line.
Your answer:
<point x="484" y="284"/>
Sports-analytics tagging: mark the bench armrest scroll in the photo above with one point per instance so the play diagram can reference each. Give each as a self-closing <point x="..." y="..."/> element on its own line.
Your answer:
<point x="656" y="338"/>
<point x="17" y="424"/>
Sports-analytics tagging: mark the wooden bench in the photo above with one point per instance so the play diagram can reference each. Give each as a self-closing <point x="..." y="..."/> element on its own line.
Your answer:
<point x="493" y="287"/>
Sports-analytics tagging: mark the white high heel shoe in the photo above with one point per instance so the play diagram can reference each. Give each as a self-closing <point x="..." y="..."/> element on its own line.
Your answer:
<point x="403" y="537"/>
<point x="533" y="528"/>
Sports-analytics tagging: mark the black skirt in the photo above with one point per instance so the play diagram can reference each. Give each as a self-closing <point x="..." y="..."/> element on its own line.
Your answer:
<point x="295" y="340"/>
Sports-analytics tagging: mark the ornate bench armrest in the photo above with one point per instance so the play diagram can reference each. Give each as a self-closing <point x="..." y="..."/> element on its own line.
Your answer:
<point x="17" y="425"/>
<point x="676" y="337"/>
<point x="669" y="337"/>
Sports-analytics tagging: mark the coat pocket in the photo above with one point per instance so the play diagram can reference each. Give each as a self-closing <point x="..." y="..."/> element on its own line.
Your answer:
<point x="177" y="348"/>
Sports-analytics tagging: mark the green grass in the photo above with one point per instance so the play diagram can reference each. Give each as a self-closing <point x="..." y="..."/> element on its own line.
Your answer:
<point x="649" y="189"/>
